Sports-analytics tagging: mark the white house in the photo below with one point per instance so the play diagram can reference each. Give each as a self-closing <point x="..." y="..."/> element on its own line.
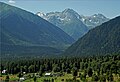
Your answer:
<point x="24" y="72"/>
<point x="47" y="74"/>
<point x="22" y="79"/>
<point x="4" y="71"/>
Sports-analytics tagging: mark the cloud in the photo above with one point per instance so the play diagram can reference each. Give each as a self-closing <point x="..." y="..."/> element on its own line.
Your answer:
<point x="11" y="1"/>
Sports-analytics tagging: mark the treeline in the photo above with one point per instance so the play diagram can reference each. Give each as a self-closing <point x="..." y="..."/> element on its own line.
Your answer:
<point x="97" y="67"/>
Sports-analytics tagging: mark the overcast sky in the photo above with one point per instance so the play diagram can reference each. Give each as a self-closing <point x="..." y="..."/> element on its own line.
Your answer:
<point x="109" y="8"/>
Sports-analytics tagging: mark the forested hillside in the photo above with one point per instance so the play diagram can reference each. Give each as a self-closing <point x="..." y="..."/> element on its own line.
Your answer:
<point x="19" y="27"/>
<point x="104" y="39"/>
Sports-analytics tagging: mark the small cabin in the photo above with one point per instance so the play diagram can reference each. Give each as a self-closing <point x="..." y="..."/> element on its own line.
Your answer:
<point x="47" y="74"/>
<point x="24" y="72"/>
<point x="4" y="71"/>
<point x="22" y="79"/>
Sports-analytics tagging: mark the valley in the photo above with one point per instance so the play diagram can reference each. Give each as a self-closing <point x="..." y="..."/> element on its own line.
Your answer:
<point x="59" y="46"/>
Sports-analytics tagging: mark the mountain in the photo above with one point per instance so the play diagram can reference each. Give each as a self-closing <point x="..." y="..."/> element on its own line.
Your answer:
<point x="72" y="23"/>
<point x="94" y="20"/>
<point x="104" y="39"/>
<point x="26" y="30"/>
<point x="68" y="21"/>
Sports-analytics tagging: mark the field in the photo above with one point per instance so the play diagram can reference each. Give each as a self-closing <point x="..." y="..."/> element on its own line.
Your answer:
<point x="57" y="79"/>
<point x="14" y="78"/>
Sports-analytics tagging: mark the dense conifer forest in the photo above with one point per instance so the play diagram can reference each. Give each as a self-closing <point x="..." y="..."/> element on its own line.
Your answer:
<point x="98" y="68"/>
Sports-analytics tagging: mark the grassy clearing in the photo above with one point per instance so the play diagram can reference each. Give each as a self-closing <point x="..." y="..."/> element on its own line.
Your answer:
<point x="56" y="79"/>
<point x="12" y="77"/>
<point x="68" y="76"/>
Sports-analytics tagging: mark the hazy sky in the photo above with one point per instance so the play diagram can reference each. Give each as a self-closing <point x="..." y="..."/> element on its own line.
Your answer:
<point x="109" y="8"/>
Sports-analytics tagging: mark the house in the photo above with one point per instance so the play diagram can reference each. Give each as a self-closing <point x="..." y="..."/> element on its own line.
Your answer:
<point x="47" y="74"/>
<point x="22" y="79"/>
<point x="4" y="71"/>
<point x="24" y="72"/>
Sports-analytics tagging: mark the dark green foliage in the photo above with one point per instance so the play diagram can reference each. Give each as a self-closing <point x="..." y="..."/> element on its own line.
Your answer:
<point x="82" y="65"/>
<point x="48" y="80"/>
<point x="75" y="71"/>
<point x="7" y="78"/>
<point x="43" y="65"/>
<point x="28" y="50"/>
<point x="74" y="78"/>
<point x="98" y="71"/>
<point x="34" y="78"/>
<point x="90" y="72"/>
<point x="102" y="78"/>
<point x="19" y="75"/>
<point x="40" y="73"/>
<point x="52" y="80"/>
<point x="84" y="74"/>
<point x="68" y="71"/>
<point x="56" y="69"/>
<point x="80" y="74"/>
<point x="102" y="40"/>
<point x="95" y="77"/>
<point x="110" y="77"/>
<point x="71" y="80"/>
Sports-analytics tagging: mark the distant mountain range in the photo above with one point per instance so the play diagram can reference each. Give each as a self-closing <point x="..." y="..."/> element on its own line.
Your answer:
<point x="72" y="23"/>
<point x="28" y="31"/>
<point x="104" y="39"/>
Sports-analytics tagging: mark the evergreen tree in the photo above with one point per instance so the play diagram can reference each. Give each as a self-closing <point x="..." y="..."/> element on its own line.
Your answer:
<point x="95" y="77"/>
<point x="7" y="78"/>
<point x="90" y="72"/>
<point x="34" y="78"/>
<point x="68" y="70"/>
<point x="75" y="72"/>
<point x="102" y="78"/>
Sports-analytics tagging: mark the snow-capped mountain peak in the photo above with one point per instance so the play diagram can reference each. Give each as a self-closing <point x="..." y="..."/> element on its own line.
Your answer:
<point x="72" y="23"/>
<point x="41" y="14"/>
<point x="98" y="15"/>
<point x="94" y="20"/>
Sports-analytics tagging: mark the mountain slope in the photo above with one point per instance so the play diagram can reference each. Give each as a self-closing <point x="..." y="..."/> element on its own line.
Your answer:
<point x="68" y="21"/>
<point x="101" y="40"/>
<point x="22" y="28"/>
